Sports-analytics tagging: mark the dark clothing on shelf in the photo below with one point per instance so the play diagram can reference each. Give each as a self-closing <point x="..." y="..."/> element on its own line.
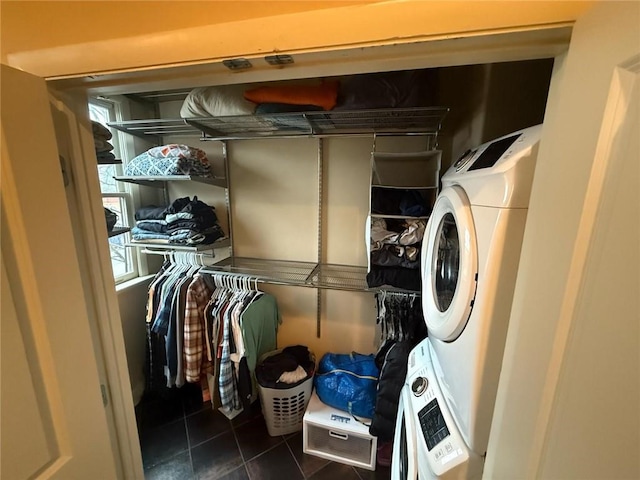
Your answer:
<point x="151" y="213"/>
<point x="397" y="256"/>
<point x="398" y="277"/>
<point x="393" y="201"/>
<point x="184" y="222"/>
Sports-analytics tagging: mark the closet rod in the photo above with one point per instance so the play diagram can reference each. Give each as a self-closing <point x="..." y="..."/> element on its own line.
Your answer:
<point x="170" y="252"/>
<point x="398" y="294"/>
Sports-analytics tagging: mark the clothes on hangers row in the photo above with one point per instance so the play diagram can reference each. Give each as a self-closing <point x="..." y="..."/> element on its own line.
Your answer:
<point x="400" y="317"/>
<point x="241" y="325"/>
<point x="200" y="328"/>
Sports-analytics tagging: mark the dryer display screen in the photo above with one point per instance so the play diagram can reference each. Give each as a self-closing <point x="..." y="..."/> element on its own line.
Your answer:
<point x="493" y="152"/>
<point x="432" y="424"/>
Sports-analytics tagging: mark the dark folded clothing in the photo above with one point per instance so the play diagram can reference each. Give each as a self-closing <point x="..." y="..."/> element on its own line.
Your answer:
<point x="405" y="278"/>
<point x="390" y="201"/>
<point x="397" y="256"/>
<point x="104" y="157"/>
<point x="302" y="356"/>
<point x="211" y="235"/>
<point x="150" y="213"/>
<point x="194" y="224"/>
<point x="152" y="226"/>
<point x="193" y="237"/>
<point x="206" y="215"/>
<point x="178" y="204"/>
<point x="186" y="205"/>
<point x="269" y="371"/>
<point x="183" y="225"/>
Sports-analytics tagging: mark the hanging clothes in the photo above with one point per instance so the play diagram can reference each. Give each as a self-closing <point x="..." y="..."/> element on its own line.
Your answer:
<point x="400" y="317"/>
<point x="208" y="326"/>
<point x="402" y="327"/>
<point x="176" y="297"/>
<point x="243" y="325"/>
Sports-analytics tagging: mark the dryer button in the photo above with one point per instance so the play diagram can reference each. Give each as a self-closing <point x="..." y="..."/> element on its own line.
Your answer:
<point x="419" y="386"/>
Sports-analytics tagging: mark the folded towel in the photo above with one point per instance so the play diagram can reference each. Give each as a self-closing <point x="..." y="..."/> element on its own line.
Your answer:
<point x="105" y="157"/>
<point x="100" y="131"/>
<point x="102" y="145"/>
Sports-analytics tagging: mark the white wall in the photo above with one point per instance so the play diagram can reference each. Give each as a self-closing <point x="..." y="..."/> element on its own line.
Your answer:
<point x="381" y="23"/>
<point x="569" y="392"/>
<point x="132" y="303"/>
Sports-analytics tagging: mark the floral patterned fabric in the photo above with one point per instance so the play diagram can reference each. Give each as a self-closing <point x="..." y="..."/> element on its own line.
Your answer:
<point x="173" y="159"/>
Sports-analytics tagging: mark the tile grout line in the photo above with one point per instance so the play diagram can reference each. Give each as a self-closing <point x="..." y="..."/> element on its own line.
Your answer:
<point x="186" y="431"/>
<point x="263" y="452"/>
<point x="235" y="437"/>
<point x="294" y="457"/>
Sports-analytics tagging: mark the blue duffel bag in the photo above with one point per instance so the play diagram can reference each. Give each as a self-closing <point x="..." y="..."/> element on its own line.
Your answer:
<point x="348" y="382"/>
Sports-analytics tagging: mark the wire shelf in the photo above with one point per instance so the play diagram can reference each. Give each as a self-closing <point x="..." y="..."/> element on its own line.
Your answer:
<point x="300" y="274"/>
<point x="280" y="272"/>
<point x="160" y="180"/>
<point x="417" y="120"/>
<point x="339" y="277"/>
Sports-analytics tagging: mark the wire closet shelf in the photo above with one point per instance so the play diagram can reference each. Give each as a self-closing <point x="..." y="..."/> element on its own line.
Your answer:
<point x="388" y="121"/>
<point x="301" y="274"/>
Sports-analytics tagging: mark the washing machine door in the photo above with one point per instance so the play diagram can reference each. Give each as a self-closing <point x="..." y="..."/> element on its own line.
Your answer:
<point x="449" y="265"/>
<point x="404" y="457"/>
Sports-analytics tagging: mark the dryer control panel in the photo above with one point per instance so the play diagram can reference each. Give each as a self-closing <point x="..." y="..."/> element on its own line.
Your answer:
<point x="440" y="447"/>
<point x="498" y="173"/>
<point x="432" y="424"/>
<point x="489" y="154"/>
<point x="489" y="157"/>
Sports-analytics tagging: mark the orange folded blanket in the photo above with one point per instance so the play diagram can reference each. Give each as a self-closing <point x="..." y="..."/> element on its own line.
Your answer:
<point x="325" y="95"/>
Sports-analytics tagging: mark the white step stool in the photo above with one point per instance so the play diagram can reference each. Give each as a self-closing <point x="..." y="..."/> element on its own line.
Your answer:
<point x="335" y="435"/>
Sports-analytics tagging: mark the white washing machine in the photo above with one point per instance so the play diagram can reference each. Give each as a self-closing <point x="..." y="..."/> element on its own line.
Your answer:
<point x="427" y="443"/>
<point x="470" y="255"/>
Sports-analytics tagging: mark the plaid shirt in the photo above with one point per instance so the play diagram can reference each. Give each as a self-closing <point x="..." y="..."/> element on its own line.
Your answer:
<point x="226" y="380"/>
<point x="198" y="295"/>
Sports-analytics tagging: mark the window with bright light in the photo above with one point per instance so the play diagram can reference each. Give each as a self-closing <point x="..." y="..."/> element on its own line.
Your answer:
<point x="115" y="198"/>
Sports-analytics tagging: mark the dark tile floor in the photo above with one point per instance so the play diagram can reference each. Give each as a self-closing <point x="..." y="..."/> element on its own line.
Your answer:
<point x="183" y="438"/>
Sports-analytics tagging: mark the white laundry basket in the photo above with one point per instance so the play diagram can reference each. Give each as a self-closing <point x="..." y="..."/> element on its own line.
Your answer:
<point x="283" y="408"/>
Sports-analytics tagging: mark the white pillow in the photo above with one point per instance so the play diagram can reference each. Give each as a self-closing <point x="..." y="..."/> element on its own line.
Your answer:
<point x="217" y="101"/>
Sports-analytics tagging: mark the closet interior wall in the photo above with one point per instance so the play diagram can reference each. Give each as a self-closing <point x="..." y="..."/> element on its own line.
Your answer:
<point x="274" y="209"/>
<point x="274" y="192"/>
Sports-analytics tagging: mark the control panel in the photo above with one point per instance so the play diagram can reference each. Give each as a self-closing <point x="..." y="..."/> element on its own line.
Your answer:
<point x="439" y="446"/>
<point x="432" y="424"/>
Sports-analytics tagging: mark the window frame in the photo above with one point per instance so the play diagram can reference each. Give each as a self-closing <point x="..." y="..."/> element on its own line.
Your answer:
<point x="124" y="192"/>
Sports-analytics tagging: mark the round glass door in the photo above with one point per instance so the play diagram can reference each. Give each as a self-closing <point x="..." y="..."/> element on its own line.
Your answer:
<point x="447" y="258"/>
<point x="449" y="265"/>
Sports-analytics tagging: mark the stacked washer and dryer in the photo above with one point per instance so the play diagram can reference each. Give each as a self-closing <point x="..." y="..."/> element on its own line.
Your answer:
<point x="470" y="255"/>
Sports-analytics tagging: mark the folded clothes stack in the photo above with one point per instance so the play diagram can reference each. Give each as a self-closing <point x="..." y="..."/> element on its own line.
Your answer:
<point x="101" y="137"/>
<point x="395" y="252"/>
<point x="184" y="222"/>
<point x="168" y="160"/>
